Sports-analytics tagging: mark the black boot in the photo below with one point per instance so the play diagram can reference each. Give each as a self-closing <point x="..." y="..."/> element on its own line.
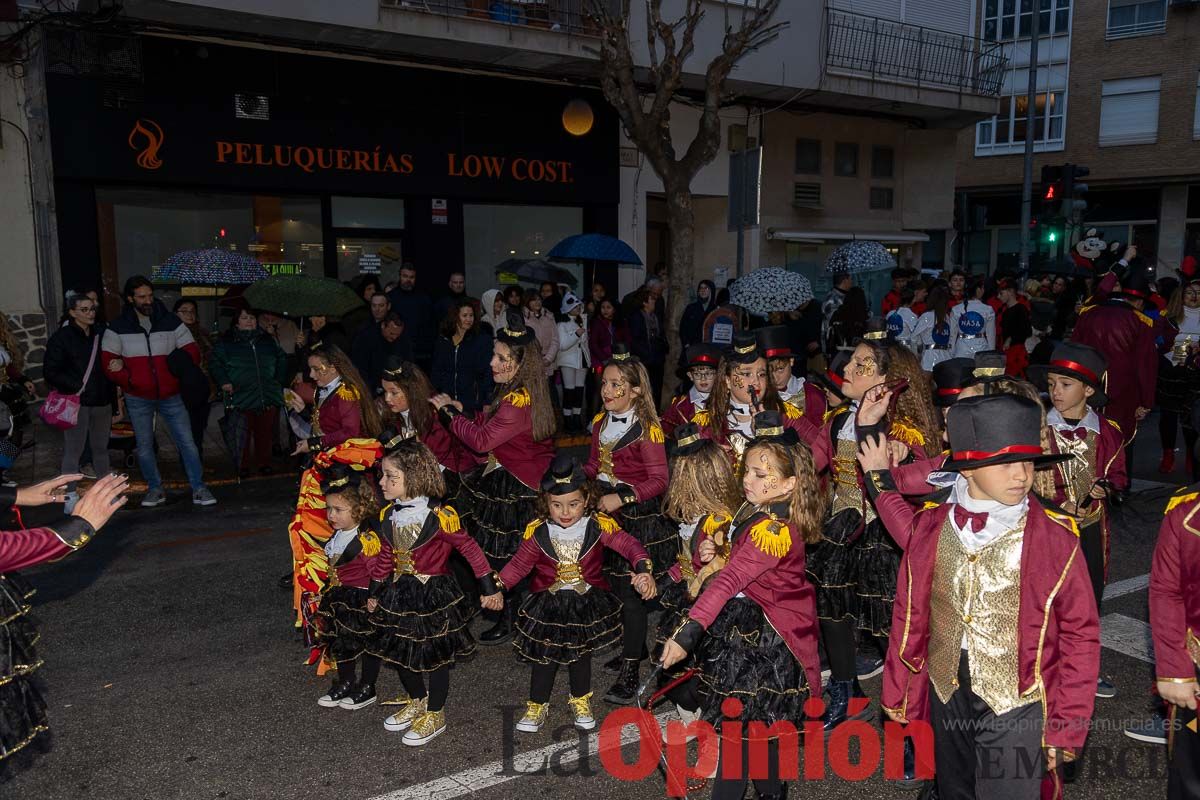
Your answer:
<point x="838" y="709"/>
<point x="624" y="689"/>
<point x="614" y="663"/>
<point x="909" y="780"/>
<point x="501" y="632"/>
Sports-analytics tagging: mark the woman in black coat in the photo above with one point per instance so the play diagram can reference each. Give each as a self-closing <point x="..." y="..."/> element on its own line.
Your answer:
<point x="462" y="358"/>
<point x="691" y="325"/>
<point x="69" y="353"/>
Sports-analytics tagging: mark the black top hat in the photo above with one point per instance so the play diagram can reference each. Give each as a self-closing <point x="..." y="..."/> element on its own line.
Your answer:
<point x="339" y="478"/>
<point x="989" y="367"/>
<point x="1077" y="361"/>
<point x="832" y="379"/>
<point x="744" y="348"/>
<point x="950" y="377"/>
<point x="769" y="427"/>
<point x="876" y="330"/>
<point x="774" y="342"/>
<point x="688" y="439"/>
<point x="392" y="437"/>
<point x="997" y="429"/>
<point x="564" y="476"/>
<point x="395" y="368"/>
<point x="514" y="331"/>
<point x="621" y="354"/>
<point x="1136" y="284"/>
<point x="703" y="355"/>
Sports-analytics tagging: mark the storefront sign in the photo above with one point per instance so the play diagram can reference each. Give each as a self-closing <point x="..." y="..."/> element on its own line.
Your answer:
<point x="284" y="269"/>
<point x="441" y="216"/>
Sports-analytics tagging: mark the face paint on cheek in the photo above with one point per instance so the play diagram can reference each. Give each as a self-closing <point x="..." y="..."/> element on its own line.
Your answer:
<point x="737" y="381"/>
<point x="618" y="391"/>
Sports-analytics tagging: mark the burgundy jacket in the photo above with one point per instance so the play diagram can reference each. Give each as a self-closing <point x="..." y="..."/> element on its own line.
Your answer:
<point x="365" y="562"/>
<point x="1126" y="338"/>
<point x="536" y="554"/>
<point x="1175" y="590"/>
<point x="339" y="419"/>
<point x="508" y="434"/>
<point x="678" y="412"/>
<point x="1058" y="640"/>
<point x="445" y="448"/>
<point x="767" y="565"/>
<point x="32" y="546"/>
<point x="441" y="534"/>
<point x="639" y="461"/>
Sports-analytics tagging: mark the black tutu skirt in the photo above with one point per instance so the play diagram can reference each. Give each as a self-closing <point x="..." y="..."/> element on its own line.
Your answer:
<point x="644" y="521"/>
<point x="832" y="569"/>
<point x="423" y="626"/>
<point x="560" y="627"/>
<point x="22" y="709"/>
<point x="877" y="563"/>
<point x="742" y="656"/>
<point x="495" y="508"/>
<point x="675" y="602"/>
<point x="453" y="485"/>
<point x="343" y="623"/>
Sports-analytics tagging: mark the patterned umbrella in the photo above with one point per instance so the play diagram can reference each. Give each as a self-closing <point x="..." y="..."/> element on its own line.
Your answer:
<point x="770" y="289"/>
<point x="860" y="256"/>
<point x="303" y="296"/>
<point x="594" y="247"/>
<point x="212" y="267"/>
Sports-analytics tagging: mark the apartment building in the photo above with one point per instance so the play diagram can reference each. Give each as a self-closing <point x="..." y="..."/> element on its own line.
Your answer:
<point x="1117" y="92"/>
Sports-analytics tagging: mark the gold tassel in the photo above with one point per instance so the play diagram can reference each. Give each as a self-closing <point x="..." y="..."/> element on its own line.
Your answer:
<point x="772" y="537"/>
<point x="656" y="434"/>
<point x="929" y="504"/>
<point x="833" y="412"/>
<point x="518" y="397"/>
<point x="791" y="412"/>
<point x="449" y="519"/>
<point x="531" y="529"/>
<point x="906" y="433"/>
<point x="1112" y="422"/>
<point x="1179" y="500"/>
<point x="348" y="393"/>
<point x="714" y="522"/>
<point x="607" y="523"/>
<point x="370" y="544"/>
<point x="597" y="418"/>
<point x="701" y="418"/>
<point x="1063" y="520"/>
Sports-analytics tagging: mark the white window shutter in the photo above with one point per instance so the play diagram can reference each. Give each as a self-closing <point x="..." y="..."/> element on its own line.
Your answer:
<point x="1129" y="111"/>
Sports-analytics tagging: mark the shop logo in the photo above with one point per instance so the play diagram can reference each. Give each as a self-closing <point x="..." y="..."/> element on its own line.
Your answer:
<point x="150" y="131"/>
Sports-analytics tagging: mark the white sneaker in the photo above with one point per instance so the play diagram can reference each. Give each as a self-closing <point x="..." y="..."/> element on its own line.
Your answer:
<point x="69" y="505"/>
<point x="581" y="709"/>
<point x="426" y="727"/>
<point x="535" y="717"/>
<point x="403" y="719"/>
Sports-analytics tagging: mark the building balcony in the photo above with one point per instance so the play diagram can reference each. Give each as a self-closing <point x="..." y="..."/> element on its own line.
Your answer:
<point x="568" y="17"/>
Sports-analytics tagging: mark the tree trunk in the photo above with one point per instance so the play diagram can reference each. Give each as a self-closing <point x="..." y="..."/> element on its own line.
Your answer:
<point x="680" y="270"/>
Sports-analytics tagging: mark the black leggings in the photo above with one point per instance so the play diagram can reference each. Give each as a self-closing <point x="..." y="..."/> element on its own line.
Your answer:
<point x="370" y="670"/>
<point x="634" y="617"/>
<point x="1091" y="542"/>
<point x="579" y="673"/>
<point x="439" y="686"/>
<point x="841" y="648"/>
<point x="735" y="788"/>
<point x="1168" y="426"/>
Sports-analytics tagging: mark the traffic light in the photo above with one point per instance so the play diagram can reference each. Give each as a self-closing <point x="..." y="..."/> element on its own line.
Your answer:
<point x="1073" y="204"/>
<point x="1052" y="192"/>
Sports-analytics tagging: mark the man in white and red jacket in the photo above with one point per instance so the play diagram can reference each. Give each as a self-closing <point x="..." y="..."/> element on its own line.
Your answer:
<point x="144" y="351"/>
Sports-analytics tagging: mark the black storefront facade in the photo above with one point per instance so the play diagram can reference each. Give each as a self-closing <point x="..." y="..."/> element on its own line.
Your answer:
<point x="328" y="166"/>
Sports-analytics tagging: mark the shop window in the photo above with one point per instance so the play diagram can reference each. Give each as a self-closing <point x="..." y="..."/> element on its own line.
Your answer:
<point x="808" y="156"/>
<point x="1129" y="111"/>
<point x="495" y="234"/>
<point x="368" y="212"/>
<point x="845" y="160"/>
<point x="883" y="162"/>
<point x="362" y="256"/>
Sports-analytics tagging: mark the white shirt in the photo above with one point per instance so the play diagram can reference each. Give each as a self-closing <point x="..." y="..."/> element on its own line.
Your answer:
<point x="1001" y="518"/>
<point x="902" y="323"/>
<point x="849" y="430"/>
<point x="688" y="529"/>
<point x="409" y="512"/>
<point x="338" y="543"/>
<point x="324" y="392"/>
<point x="699" y="399"/>
<point x="736" y="410"/>
<point x="1091" y="421"/>
<point x="972" y="327"/>
<point x="574" y="533"/>
<point x="1189" y="330"/>
<point x="794" y="388"/>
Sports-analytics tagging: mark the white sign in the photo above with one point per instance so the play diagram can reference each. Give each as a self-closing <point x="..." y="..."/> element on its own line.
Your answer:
<point x="369" y="264"/>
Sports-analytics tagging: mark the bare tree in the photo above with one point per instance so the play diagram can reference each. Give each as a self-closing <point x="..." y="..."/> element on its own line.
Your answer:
<point x="642" y="97"/>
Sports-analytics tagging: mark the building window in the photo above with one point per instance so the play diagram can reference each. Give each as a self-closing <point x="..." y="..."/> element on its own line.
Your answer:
<point x="368" y="212"/>
<point x="808" y="157"/>
<point x="881" y="198"/>
<point x="883" y="162"/>
<point x="1006" y="130"/>
<point x="1129" y="111"/>
<point x="1136" y="17"/>
<point x="845" y="160"/>
<point x="493" y="234"/>
<point x="1004" y="20"/>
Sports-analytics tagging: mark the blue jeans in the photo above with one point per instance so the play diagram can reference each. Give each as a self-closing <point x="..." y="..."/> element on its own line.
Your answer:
<point x="179" y="425"/>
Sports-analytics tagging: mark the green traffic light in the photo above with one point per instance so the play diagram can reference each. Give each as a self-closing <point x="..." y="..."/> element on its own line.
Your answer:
<point x="1052" y="237"/>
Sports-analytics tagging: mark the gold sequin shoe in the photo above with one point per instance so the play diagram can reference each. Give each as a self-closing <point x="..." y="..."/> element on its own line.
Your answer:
<point x="400" y="700"/>
<point x="581" y="707"/>
<point x="403" y="719"/>
<point x="428" y="726"/>
<point x="535" y="717"/>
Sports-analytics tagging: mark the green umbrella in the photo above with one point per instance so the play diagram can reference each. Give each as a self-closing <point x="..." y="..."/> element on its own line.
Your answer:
<point x="303" y="296"/>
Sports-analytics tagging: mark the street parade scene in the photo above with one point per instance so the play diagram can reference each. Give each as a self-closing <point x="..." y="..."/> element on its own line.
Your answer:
<point x="407" y="400"/>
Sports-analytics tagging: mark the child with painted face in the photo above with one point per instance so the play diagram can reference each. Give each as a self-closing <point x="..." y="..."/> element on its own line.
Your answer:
<point x="996" y="608"/>
<point x="359" y="562"/>
<point x="702" y="360"/>
<point x="753" y="628"/>
<point x="570" y="612"/>
<point x="775" y="343"/>
<point x="628" y="461"/>
<point x="422" y="614"/>
<point x="406" y="409"/>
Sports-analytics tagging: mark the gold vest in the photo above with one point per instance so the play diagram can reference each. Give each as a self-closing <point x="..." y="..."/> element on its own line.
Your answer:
<point x="846" y="491"/>
<point x="1078" y="473"/>
<point x="568" y="575"/>
<point x="976" y="604"/>
<point x="403" y="538"/>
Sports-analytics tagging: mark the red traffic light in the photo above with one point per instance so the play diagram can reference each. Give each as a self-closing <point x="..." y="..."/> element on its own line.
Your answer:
<point x="1050" y="192"/>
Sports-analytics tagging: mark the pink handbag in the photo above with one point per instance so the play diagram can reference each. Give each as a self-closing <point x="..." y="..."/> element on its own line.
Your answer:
<point x="60" y="410"/>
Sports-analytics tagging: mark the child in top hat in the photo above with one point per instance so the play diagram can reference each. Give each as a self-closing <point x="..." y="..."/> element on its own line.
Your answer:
<point x="702" y="360"/>
<point x="359" y="561"/>
<point x="1175" y="624"/>
<point x="570" y="612"/>
<point x="776" y="346"/>
<point x="753" y="628"/>
<point x="422" y="615"/>
<point x="998" y="617"/>
<point x="628" y="460"/>
<point x="1095" y="459"/>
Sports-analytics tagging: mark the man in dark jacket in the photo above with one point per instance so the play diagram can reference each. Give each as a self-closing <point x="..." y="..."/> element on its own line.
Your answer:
<point x="374" y="345"/>
<point x="416" y="310"/>
<point x="136" y="350"/>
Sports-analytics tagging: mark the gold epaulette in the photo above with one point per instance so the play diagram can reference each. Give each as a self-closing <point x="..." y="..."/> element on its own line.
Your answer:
<point x="1064" y="520"/>
<point x="772" y="537"/>
<point x="370" y="543"/>
<point x="929" y="504"/>
<point x="833" y="412"/>
<point x="607" y="524"/>
<point x="790" y="411"/>
<point x="1144" y="318"/>
<point x="597" y="418"/>
<point x="347" y="393"/>
<point x="449" y="520"/>
<point x="701" y="418"/>
<point x="676" y="400"/>
<point x="1181" y="497"/>
<point x="531" y="528"/>
<point x="655" y="434"/>
<point x="518" y="397"/>
<point x="383" y="511"/>
<point x="714" y="522"/>
<point x="1084" y="309"/>
<point x="1113" y="422"/>
<point x="906" y="433"/>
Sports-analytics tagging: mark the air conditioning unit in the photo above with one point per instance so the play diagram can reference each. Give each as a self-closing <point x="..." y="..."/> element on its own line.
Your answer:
<point x="806" y="195"/>
<point x="251" y="106"/>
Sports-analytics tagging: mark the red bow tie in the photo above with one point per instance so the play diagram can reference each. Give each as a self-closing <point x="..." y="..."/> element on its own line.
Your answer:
<point x="1073" y="433"/>
<point x="963" y="518"/>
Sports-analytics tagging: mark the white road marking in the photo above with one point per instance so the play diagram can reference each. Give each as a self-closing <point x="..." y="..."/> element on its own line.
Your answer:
<point x="1127" y="635"/>
<point x="493" y="774"/>
<point x="1127" y="586"/>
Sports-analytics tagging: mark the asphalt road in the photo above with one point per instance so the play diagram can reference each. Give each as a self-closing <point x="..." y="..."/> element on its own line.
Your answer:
<point x="172" y="671"/>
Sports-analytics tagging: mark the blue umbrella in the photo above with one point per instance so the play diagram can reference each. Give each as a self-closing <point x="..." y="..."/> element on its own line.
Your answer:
<point x="594" y="247"/>
<point x="212" y="267"/>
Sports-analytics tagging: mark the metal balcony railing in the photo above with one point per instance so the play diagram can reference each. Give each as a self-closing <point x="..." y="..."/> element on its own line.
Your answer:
<point x="883" y="49"/>
<point x="571" y="17"/>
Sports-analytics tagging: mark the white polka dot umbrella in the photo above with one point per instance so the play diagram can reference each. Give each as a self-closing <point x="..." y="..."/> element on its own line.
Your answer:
<point x="770" y="289"/>
<point x="859" y="256"/>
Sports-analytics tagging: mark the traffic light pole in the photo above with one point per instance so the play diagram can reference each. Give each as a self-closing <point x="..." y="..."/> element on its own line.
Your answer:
<point x="1030" y="118"/>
